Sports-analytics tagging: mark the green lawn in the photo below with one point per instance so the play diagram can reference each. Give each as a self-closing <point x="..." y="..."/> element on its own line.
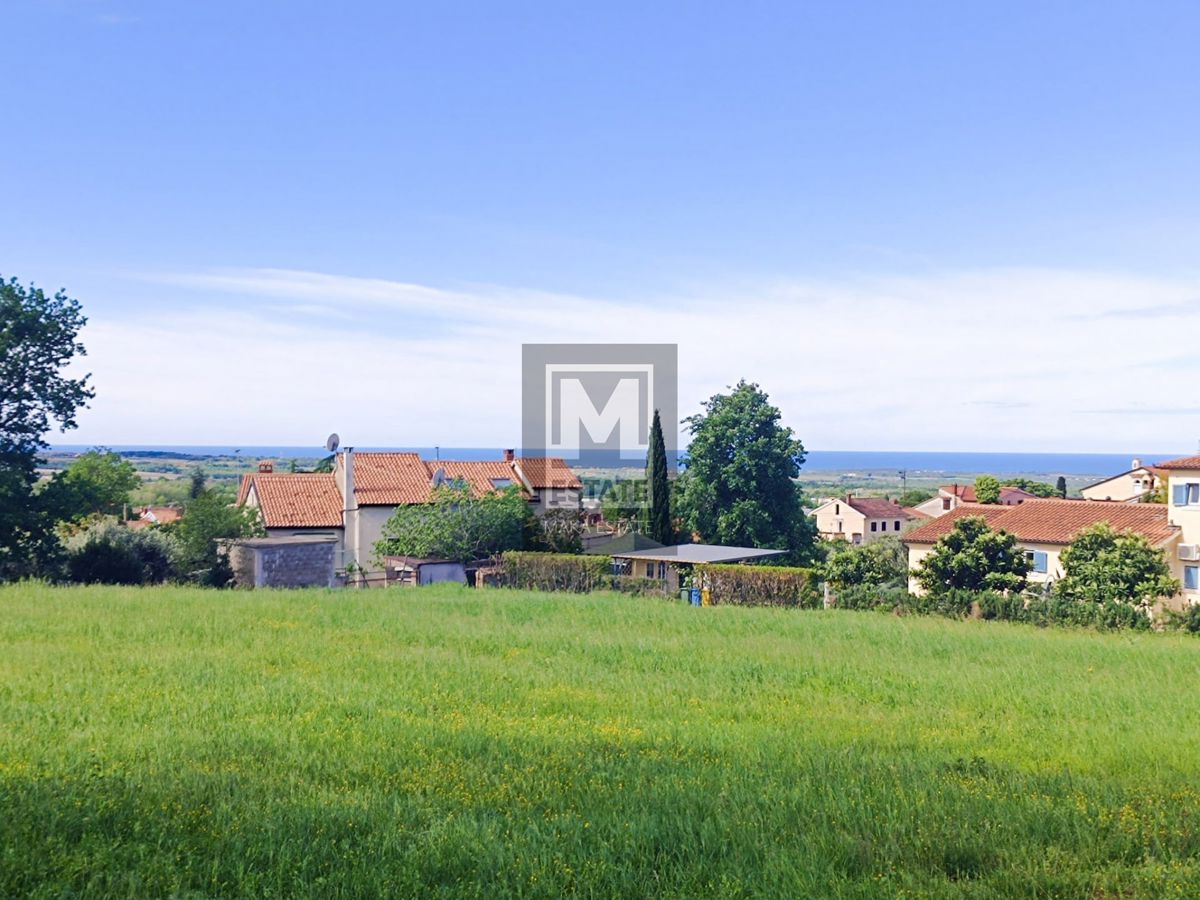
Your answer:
<point x="446" y="741"/>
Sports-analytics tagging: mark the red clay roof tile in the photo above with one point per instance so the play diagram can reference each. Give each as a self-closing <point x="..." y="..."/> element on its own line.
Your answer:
<point x="1039" y="521"/>
<point x="297" y="500"/>
<point x="1183" y="462"/>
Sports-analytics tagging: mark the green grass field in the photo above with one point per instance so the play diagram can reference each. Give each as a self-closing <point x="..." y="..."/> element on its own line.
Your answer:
<point x="455" y="742"/>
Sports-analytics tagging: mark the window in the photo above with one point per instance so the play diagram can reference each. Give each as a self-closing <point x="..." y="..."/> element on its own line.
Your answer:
<point x="837" y="509"/>
<point x="945" y="503"/>
<point x="1186" y="494"/>
<point x="873" y="524"/>
<point x="897" y="524"/>
<point x="649" y="570"/>
<point x="662" y="571"/>
<point x="1038" y="560"/>
<point x="501" y="483"/>
<point x="1191" y="578"/>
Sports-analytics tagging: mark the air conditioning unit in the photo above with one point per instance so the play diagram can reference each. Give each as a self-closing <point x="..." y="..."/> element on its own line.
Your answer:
<point x="1189" y="551"/>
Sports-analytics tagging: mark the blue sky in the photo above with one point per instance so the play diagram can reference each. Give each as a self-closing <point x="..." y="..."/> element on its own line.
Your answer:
<point x="919" y="226"/>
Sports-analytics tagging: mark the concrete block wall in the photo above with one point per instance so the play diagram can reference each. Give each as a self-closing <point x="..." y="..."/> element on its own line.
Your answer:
<point x="284" y="565"/>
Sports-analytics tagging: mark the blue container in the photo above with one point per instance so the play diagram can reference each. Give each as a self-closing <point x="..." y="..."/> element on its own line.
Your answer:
<point x="695" y="596"/>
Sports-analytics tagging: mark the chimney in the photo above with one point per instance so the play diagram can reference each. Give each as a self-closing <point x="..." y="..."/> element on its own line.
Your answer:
<point x="1137" y="463"/>
<point x="509" y="455"/>
<point x="849" y="497"/>
<point x="266" y="467"/>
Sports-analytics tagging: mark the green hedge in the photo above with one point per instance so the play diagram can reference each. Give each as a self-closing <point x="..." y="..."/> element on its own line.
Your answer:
<point x="757" y="585"/>
<point x="555" y="571"/>
<point x="1031" y="608"/>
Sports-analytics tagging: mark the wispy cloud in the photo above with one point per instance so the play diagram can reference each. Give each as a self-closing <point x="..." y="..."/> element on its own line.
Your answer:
<point x="1190" y="308"/>
<point x="970" y="360"/>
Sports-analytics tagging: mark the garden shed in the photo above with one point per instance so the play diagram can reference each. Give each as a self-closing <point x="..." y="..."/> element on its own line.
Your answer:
<point x="283" y="562"/>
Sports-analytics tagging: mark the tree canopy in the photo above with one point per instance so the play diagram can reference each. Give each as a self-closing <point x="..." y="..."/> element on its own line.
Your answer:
<point x="1102" y="565"/>
<point x="987" y="489"/>
<point x="737" y="485"/>
<point x="1037" y="488"/>
<point x="206" y="520"/>
<point x="96" y="482"/>
<point x="880" y="562"/>
<point x="38" y="340"/>
<point x="457" y="525"/>
<point x="659" y="526"/>
<point x="973" y="557"/>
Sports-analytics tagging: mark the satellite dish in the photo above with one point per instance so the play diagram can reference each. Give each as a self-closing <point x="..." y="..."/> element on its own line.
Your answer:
<point x="331" y="443"/>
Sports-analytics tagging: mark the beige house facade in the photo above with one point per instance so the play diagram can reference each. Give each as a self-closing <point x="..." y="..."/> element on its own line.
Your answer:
<point x="861" y="520"/>
<point x="1183" y="509"/>
<point x="951" y="496"/>
<point x="1129" y="487"/>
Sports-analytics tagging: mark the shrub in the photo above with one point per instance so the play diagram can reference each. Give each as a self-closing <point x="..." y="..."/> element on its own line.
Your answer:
<point x="555" y="571"/>
<point x="954" y="604"/>
<point x="758" y="585"/>
<point x="1045" y="610"/>
<point x="1187" y="619"/>
<point x="110" y="554"/>
<point x="884" y="561"/>
<point x="865" y="597"/>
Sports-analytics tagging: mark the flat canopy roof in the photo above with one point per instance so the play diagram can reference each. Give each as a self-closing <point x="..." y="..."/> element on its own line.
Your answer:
<point x="699" y="553"/>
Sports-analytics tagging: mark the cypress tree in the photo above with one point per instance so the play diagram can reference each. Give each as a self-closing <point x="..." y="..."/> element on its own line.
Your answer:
<point x="656" y="484"/>
<point x="1061" y="486"/>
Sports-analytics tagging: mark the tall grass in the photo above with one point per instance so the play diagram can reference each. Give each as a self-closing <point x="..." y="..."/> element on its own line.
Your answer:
<point x="442" y="741"/>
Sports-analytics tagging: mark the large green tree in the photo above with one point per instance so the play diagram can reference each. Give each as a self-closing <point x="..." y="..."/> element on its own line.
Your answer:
<point x="973" y="557"/>
<point x="96" y="482"/>
<point x="38" y="340"/>
<point x="457" y="525"/>
<point x="1102" y="565"/>
<point x="659" y="526"/>
<point x="737" y="485"/>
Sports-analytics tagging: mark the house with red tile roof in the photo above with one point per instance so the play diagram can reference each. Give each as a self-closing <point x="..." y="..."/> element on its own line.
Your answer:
<point x="363" y="491"/>
<point x="1130" y="486"/>
<point x="951" y="496"/>
<point x="861" y="520"/>
<point x="155" y="515"/>
<point x="1044" y="527"/>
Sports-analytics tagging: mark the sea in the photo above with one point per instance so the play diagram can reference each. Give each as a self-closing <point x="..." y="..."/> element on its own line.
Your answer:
<point x="841" y="461"/>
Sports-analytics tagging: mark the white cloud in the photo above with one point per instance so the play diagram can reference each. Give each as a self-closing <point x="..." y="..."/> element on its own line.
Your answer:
<point x="987" y="360"/>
